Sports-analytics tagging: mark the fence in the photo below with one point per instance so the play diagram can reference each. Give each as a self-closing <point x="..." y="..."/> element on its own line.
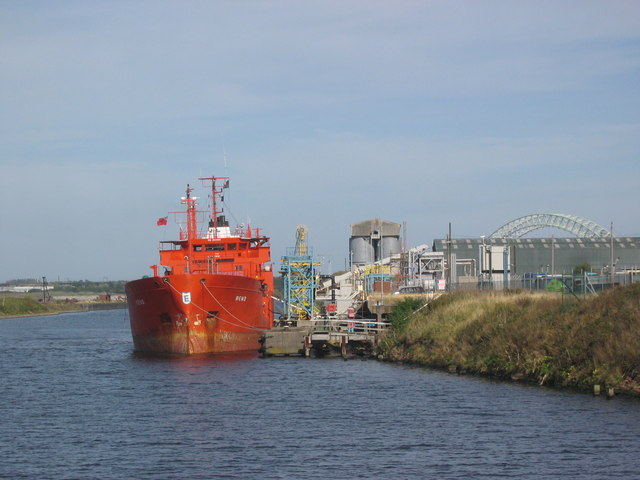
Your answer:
<point x="569" y="284"/>
<point x="348" y="325"/>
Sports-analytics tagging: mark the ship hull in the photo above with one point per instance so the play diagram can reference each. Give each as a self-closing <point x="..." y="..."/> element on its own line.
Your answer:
<point x="196" y="314"/>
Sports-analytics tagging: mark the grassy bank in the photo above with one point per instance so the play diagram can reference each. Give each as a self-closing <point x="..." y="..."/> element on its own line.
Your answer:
<point x="540" y="338"/>
<point x="20" y="306"/>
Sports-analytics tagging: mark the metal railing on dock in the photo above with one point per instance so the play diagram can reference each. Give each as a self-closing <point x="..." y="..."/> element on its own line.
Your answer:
<point x="322" y="333"/>
<point x="347" y="325"/>
<point x="344" y="334"/>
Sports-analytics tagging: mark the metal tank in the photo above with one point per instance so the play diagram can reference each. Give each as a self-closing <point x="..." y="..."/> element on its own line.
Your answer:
<point x="390" y="246"/>
<point x="361" y="251"/>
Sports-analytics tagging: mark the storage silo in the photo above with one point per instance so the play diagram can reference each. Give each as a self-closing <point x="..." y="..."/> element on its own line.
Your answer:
<point x="374" y="240"/>
<point x="390" y="246"/>
<point x="361" y="251"/>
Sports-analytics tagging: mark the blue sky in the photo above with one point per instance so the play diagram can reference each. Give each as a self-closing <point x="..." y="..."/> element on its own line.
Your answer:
<point x="322" y="113"/>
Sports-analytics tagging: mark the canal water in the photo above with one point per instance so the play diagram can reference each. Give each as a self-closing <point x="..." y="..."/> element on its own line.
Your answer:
<point x="76" y="403"/>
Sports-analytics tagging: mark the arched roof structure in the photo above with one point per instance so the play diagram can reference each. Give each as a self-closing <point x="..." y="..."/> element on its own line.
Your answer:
<point x="578" y="226"/>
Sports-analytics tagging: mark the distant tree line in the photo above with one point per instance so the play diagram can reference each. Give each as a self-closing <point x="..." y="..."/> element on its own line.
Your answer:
<point x="115" y="286"/>
<point x="21" y="281"/>
<point x="80" y="286"/>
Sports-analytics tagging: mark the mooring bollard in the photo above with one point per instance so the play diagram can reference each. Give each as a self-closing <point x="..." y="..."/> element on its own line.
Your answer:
<point x="596" y="390"/>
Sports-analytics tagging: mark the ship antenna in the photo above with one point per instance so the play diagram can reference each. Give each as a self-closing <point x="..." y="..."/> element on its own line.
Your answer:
<point x="192" y="226"/>
<point x="216" y="192"/>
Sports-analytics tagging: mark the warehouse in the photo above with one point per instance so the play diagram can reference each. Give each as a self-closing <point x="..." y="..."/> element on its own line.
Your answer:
<point x="542" y="255"/>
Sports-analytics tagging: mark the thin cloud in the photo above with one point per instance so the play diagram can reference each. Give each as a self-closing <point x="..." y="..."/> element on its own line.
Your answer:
<point x="329" y="113"/>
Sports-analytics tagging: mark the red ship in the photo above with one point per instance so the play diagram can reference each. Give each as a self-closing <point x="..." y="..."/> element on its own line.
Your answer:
<point x="214" y="294"/>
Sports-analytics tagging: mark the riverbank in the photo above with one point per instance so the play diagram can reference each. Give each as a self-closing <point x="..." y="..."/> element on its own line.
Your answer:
<point x="548" y="339"/>
<point x="12" y="307"/>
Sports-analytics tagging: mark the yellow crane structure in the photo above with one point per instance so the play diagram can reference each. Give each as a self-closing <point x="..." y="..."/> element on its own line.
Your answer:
<point x="301" y="241"/>
<point x="299" y="273"/>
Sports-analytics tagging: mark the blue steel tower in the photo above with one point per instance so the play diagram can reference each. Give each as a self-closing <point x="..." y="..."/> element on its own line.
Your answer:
<point x="299" y="272"/>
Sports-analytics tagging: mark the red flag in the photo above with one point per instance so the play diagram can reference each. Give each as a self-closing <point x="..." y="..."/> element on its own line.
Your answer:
<point x="162" y="221"/>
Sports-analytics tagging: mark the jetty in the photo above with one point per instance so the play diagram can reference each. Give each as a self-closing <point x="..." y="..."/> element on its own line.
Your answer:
<point x="345" y="313"/>
<point x="324" y="337"/>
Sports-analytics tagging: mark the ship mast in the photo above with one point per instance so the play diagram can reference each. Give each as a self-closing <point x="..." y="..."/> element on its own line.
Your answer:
<point x="192" y="225"/>
<point x="218" y="185"/>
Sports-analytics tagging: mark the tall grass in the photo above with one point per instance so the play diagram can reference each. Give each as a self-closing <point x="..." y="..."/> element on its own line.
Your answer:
<point x="540" y="338"/>
<point x="18" y="306"/>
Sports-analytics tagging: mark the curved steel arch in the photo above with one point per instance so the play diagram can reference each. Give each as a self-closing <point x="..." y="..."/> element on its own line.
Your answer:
<point x="580" y="227"/>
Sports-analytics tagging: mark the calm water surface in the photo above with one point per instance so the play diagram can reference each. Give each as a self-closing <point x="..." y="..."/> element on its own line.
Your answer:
<point x="76" y="403"/>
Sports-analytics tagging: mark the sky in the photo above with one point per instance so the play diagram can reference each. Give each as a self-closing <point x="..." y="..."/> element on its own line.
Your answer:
<point x="325" y="114"/>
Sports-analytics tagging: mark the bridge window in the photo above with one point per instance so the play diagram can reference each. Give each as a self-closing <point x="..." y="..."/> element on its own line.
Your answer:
<point x="197" y="248"/>
<point x="216" y="247"/>
<point x="231" y="246"/>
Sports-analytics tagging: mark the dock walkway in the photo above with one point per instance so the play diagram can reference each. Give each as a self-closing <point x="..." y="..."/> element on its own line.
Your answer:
<point x="323" y="337"/>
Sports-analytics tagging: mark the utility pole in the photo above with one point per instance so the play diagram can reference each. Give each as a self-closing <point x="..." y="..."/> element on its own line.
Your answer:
<point x="45" y="292"/>
<point x="553" y="255"/>
<point x="482" y="249"/>
<point x="612" y="269"/>
<point x="449" y="246"/>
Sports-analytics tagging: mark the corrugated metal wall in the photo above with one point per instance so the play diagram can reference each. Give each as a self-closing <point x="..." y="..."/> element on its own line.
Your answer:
<point x="531" y="255"/>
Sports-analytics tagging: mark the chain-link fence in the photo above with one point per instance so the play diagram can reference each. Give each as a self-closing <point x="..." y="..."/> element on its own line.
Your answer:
<point x="582" y="284"/>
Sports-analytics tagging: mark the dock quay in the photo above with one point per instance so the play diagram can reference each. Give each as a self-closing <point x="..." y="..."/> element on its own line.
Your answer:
<point x="324" y="337"/>
<point x="345" y="313"/>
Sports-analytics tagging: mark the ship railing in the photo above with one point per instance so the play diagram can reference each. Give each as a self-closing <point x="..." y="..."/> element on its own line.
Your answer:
<point x="229" y="273"/>
<point x="349" y="325"/>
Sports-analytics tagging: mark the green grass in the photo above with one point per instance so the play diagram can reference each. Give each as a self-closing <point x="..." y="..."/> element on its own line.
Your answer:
<point x="540" y="338"/>
<point x="16" y="306"/>
<point x="20" y="306"/>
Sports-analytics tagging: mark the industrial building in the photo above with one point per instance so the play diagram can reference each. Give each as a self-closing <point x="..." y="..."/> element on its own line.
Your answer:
<point x="373" y="240"/>
<point x="383" y="270"/>
<point x="541" y="255"/>
<point x="505" y="254"/>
